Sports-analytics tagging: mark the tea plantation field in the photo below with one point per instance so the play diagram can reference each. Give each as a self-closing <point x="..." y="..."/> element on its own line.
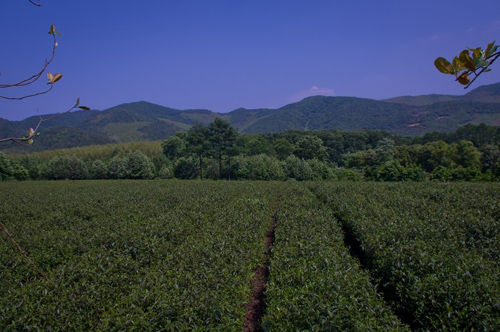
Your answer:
<point x="184" y="255"/>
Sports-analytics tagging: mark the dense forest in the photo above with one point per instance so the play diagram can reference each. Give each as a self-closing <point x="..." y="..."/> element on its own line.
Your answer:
<point x="218" y="151"/>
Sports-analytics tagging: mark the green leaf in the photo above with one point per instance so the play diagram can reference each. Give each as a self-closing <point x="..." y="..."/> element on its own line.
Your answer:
<point x="457" y="65"/>
<point x="489" y="49"/>
<point x="466" y="60"/>
<point x="477" y="54"/>
<point x="443" y="65"/>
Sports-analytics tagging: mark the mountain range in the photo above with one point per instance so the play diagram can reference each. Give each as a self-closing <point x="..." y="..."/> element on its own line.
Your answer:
<point x="406" y="115"/>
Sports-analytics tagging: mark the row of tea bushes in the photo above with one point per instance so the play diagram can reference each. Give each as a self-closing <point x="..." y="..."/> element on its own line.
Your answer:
<point x="434" y="247"/>
<point x="131" y="254"/>
<point x="315" y="285"/>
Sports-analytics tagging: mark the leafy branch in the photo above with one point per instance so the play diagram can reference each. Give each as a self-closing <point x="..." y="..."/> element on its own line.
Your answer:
<point x="471" y="62"/>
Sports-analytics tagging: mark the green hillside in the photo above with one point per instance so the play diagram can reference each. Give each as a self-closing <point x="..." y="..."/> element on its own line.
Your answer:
<point x="143" y="121"/>
<point x="486" y="93"/>
<point x="422" y="100"/>
<point x="483" y="94"/>
<point x="319" y="112"/>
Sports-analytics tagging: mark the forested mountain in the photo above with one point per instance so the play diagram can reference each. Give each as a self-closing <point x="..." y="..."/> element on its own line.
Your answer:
<point x="145" y="121"/>
<point x="483" y="94"/>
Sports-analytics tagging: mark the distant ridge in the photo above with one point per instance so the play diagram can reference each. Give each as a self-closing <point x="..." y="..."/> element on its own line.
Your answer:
<point x="139" y="121"/>
<point x="483" y="94"/>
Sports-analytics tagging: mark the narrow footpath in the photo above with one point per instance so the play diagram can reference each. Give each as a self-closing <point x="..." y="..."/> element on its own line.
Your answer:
<point x="256" y="307"/>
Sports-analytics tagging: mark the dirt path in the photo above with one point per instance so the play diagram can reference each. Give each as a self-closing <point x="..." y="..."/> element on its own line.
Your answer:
<point x="256" y="307"/>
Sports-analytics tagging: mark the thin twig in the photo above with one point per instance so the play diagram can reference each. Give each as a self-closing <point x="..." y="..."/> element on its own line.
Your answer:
<point x="39" y="4"/>
<point x="36" y="76"/>
<point x="22" y="251"/>
<point x="30" y="95"/>
<point x="35" y="130"/>
<point x="33" y="78"/>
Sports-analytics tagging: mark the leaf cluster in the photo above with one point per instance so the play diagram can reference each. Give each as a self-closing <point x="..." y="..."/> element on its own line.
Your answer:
<point x="470" y="62"/>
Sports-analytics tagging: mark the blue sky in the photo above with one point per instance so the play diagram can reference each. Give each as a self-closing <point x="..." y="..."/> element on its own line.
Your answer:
<point x="222" y="55"/>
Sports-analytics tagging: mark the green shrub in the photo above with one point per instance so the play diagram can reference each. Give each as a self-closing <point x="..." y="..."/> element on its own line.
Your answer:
<point x="117" y="168"/>
<point x="394" y="171"/>
<point x="320" y="170"/>
<point x="139" y="166"/>
<point x="186" y="168"/>
<point x="66" y="167"/>
<point x="98" y="170"/>
<point x="344" y="174"/>
<point x="6" y="167"/>
<point x="298" y="168"/>
<point x="166" y="172"/>
<point x="470" y="173"/>
<point x="442" y="173"/>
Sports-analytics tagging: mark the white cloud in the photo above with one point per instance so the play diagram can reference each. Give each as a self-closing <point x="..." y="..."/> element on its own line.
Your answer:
<point x="312" y="91"/>
<point x="471" y="30"/>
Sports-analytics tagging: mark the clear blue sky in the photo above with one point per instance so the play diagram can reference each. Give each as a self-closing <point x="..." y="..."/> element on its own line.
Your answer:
<point x="222" y="55"/>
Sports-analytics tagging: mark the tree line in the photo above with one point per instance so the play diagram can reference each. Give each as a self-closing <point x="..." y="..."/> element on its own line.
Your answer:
<point x="218" y="151"/>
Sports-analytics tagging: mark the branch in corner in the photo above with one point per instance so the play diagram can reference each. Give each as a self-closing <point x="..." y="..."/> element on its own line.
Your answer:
<point x="33" y="78"/>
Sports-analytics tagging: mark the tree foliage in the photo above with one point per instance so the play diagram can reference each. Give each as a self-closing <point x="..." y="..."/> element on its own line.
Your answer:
<point x="139" y="166"/>
<point x="310" y="147"/>
<point x="470" y="153"/>
<point x="173" y="147"/>
<point x="222" y="137"/>
<point x="198" y="143"/>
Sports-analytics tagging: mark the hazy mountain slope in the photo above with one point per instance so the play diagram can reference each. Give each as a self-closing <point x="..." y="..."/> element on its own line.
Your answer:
<point x="422" y="100"/>
<point x="59" y="138"/>
<point x="143" y="120"/>
<point x="146" y="121"/>
<point x="73" y="119"/>
<point x="483" y="94"/>
<point x="191" y="117"/>
<point x="448" y="116"/>
<point x="319" y="112"/>
<point x="10" y="128"/>
<point x="242" y="118"/>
